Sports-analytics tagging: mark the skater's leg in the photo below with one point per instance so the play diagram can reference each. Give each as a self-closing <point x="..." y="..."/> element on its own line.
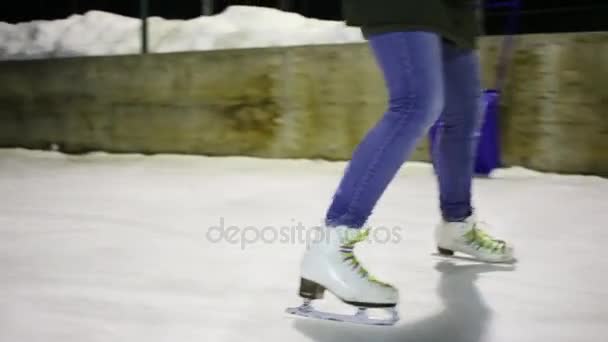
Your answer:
<point x="411" y="64"/>
<point x="456" y="139"/>
<point x="453" y="159"/>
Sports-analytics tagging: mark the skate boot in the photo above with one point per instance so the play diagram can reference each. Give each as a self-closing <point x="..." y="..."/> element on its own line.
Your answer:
<point x="467" y="237"/>
<point x="330" y="264"/>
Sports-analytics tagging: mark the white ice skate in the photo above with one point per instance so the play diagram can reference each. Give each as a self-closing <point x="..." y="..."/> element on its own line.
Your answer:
<point x="330" y="264"/>
<point x="467" y="237"/>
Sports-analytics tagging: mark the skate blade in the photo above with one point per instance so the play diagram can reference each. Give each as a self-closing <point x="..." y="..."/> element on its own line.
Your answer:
<point x="472" y="259"/>
<point x="361" y="317"/>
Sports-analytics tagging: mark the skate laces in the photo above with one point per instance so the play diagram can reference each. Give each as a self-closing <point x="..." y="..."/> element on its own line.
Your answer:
<point x="348" y="256"/>
<point x="480" y="239"/>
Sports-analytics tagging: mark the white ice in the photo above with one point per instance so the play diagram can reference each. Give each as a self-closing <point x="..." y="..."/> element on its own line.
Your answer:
<point x="116" y="248"/>
<point x="102" y="33"/>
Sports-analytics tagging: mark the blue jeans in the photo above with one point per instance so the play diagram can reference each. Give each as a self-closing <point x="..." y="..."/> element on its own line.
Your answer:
<point x="427" y="79"/>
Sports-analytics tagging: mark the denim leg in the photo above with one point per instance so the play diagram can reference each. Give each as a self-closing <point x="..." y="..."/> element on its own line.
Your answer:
<point x="458" y="131"/>
<point x="413" y="73"/>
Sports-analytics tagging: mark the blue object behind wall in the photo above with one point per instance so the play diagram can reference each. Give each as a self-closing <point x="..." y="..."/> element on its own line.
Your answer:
<point x="488" y="149"/>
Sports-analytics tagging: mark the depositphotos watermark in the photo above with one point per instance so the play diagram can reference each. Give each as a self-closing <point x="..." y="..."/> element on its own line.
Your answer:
<point x="294" y="233"/>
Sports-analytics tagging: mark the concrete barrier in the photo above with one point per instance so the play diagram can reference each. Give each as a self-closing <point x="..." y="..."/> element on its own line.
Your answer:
<point x="555" y="106"/>
<point x="296" y="102"/>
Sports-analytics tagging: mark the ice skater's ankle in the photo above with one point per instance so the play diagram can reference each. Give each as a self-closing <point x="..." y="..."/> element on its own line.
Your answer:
<point x="456" y="218"/>
<point x="335" y="223"/>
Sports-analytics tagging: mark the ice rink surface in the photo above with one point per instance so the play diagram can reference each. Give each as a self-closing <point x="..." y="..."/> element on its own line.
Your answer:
<point x="128" y="248"/>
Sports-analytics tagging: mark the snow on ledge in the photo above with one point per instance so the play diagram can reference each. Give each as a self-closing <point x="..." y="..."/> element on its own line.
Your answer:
<point x="102" y="33"/>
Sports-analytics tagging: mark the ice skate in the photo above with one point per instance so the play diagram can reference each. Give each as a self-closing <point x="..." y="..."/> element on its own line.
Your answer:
<point x="467" y="237"/>
<point x="330" y="264"/>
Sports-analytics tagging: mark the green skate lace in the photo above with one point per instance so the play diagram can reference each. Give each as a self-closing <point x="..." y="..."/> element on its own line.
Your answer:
<point x="480" y="239"/>
<point x="349" y="256"/>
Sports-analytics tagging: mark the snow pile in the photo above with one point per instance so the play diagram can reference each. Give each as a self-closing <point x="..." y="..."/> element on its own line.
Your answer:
<point x="102" y="33"/>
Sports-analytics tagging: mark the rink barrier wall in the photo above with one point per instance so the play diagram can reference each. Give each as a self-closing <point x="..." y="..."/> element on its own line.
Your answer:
<point x="296" y="102"/>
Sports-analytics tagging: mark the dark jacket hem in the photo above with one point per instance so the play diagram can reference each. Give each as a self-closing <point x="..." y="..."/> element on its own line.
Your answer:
<point x="470" y="44"/>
